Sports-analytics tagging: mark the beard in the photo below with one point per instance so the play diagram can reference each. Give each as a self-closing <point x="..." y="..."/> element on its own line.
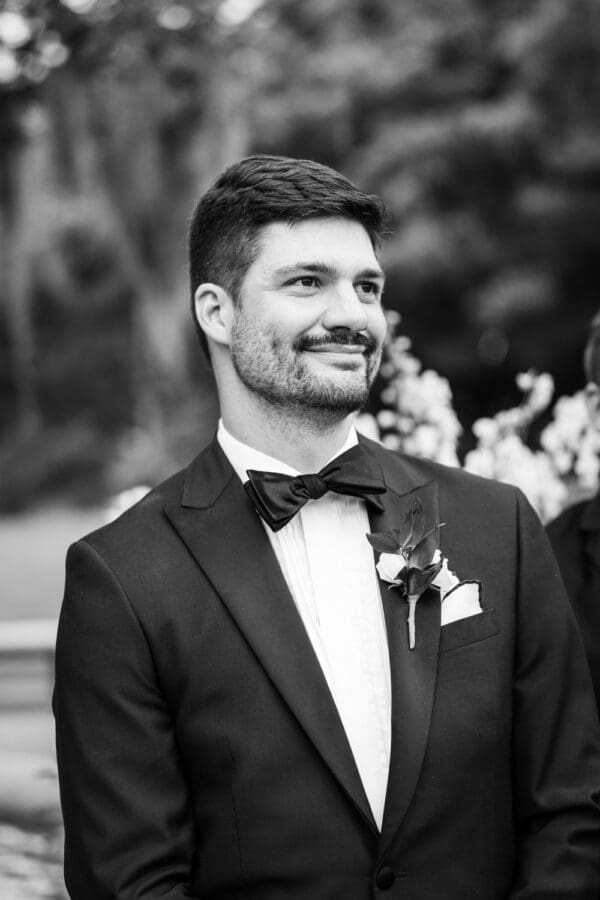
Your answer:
<point x="285" y="377"/>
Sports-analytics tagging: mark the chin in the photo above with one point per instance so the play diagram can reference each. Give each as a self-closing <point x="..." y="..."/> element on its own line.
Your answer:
<point x="302" y="387"/>
<point x="341" y="400"/>
<point x="341" y="391"/>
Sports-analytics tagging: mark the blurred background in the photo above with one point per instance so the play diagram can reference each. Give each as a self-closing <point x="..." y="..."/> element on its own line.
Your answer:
<point x="477" y="121"/>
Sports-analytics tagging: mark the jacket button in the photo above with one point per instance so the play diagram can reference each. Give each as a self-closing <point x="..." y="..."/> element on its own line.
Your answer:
<point x="385" y="878"/>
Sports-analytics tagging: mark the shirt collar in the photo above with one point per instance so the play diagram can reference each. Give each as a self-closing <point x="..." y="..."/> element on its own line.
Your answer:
<point x="243" y="457"/>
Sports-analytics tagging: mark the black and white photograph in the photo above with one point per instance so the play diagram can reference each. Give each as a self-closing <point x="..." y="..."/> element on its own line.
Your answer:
<point x="299" y="450"/>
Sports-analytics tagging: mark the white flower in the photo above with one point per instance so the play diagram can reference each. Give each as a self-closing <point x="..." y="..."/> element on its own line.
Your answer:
<point x="538" y="388"/>
<point x="386" y="418"/>
<point x="445" y="579"/>
<point x="563" y="461"/>
<point x="392" y="442"/>
<point x="525" y="380"/>
<point x="587" y="468"/>
<point x="485" y="430"/>
<point x="405" y="424"/>
<point x="393" y="317"/>
<point x="446" y="455"/>
<point x="480" y="462"/>
<point x="411" y="365"/>
<point x="389" y="566"/>
<point x="15" y="30"/>
<point x="542" y="392"/>
<point x="388" y="395"/>
<point x="424" y="441"/>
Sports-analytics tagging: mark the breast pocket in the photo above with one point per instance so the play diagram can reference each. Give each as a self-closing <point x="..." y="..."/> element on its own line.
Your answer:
<point x="468" y="631"/>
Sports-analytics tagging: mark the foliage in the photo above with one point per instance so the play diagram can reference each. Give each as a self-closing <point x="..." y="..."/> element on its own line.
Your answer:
<point x="70" y="461"/>
<point x="477" y="122"/>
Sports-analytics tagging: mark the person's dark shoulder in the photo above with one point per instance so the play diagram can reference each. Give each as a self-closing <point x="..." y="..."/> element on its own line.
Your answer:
<point x="567" y="523"/>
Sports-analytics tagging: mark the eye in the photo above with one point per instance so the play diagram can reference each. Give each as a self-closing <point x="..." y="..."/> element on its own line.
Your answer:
<point x="370" y="289"/>
<point x="304" y="283"/>
<point x="307" y="281"/>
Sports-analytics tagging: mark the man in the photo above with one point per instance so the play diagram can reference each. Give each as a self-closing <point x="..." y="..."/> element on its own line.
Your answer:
<point x="242" y="710"/>
<point x="575" y="534"/>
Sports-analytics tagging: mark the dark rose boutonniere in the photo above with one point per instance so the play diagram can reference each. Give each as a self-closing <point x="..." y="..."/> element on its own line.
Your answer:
<point x="410" y="558"/>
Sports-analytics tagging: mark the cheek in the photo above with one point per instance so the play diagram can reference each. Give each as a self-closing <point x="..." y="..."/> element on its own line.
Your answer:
<point x="275" y="343"/>
<point x="378" y="324"/>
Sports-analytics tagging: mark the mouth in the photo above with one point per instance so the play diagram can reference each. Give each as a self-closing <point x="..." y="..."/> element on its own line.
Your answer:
<point x="338" y="349"/>
<point x="342" y="356"/>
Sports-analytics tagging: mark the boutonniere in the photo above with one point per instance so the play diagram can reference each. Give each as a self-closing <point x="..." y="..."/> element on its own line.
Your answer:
<point x="410" y="558"/>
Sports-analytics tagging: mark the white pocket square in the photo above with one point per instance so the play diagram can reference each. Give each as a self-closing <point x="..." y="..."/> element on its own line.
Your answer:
<point x="461" y="601"/>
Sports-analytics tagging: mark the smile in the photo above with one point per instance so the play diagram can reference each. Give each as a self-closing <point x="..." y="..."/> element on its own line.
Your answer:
<point x="338" y="349"/>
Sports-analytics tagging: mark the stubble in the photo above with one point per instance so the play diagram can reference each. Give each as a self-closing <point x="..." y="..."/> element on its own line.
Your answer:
<point x="282" y="376"/>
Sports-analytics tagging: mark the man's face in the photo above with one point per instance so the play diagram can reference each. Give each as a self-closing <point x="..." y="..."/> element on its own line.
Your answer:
<point x="308" y="327"/>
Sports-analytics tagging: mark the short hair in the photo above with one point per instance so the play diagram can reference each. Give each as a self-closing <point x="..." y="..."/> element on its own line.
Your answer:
<point x="225" y="227"/>
<point x="591" y="355"/>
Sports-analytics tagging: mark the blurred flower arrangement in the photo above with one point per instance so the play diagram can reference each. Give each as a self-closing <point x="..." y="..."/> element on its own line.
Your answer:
<point x="502" y="452"/>
<point x="417" y="417"/>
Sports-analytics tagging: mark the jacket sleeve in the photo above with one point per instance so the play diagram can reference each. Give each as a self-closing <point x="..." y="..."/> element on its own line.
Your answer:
<point x="128" y="831"/>
<point x="556" y="737"/>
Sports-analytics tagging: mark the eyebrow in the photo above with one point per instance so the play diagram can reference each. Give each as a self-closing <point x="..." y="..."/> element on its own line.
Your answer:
<point x="324" y="269"/>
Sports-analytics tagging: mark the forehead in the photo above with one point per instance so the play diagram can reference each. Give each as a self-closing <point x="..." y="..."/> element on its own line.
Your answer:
<point x="343" y="243"/>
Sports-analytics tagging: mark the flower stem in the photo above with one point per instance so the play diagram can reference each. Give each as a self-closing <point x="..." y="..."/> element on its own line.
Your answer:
<point x="412" y="605"/>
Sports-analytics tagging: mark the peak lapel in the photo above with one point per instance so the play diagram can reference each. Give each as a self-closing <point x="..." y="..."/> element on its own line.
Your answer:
<point x="218" y="524"/>
<point x="413" y="672"/>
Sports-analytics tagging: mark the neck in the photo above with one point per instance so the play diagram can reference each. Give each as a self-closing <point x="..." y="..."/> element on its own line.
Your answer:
<point x="304" y="439"/>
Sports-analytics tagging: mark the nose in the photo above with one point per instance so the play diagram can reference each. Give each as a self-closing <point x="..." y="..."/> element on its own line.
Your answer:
<point x="344" y="309"/>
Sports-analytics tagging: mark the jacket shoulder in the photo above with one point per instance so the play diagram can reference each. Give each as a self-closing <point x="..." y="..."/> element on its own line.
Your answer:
<point x="141" y="520"/>
<point x="567" y="522"/>
<point x="451" y="480"/>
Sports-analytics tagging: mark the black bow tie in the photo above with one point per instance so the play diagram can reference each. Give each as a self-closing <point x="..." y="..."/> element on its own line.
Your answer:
<point x="279" y="497"/>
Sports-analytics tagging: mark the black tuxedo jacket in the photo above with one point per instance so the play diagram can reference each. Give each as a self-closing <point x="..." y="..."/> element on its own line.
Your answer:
<point x="575" y="538"/>
<point x="201" y="754"/>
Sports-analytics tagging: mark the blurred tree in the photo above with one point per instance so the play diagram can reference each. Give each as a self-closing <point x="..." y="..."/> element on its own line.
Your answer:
<point x="477" y="121"/>
<point x="134" y="121"/>
<point x="18" y="369"/>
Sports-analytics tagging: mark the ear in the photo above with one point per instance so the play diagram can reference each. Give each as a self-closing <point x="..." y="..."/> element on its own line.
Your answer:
<point x="592" y="401"/>
<point x="213" y="309"/>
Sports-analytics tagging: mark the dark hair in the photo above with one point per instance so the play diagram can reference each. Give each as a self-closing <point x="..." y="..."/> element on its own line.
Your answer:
<point x="591" y="355"/>
<point x="224" y="231"/>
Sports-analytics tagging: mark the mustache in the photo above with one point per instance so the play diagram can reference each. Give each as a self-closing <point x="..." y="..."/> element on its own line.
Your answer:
<point x="341" y="336"/>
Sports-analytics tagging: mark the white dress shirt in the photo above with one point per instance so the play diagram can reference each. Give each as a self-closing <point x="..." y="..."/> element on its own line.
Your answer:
<point x="327" y="563"/>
